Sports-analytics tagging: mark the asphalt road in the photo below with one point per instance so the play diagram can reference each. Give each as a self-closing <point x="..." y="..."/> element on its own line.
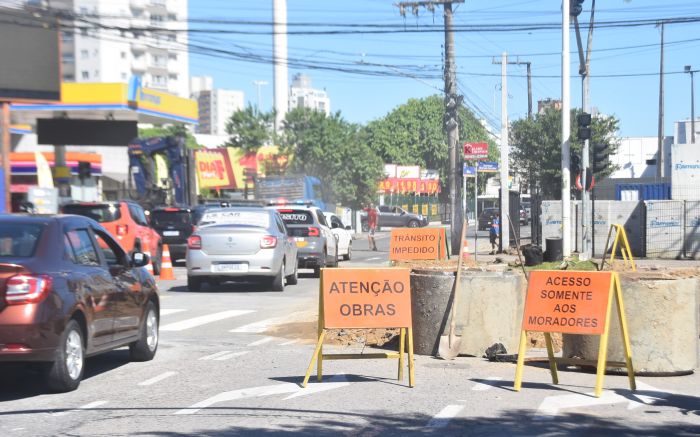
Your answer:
<point x="220" y="371"/>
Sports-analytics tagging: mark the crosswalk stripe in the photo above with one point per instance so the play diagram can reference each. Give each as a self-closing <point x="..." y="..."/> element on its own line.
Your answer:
<point x="203" y="320"/>
<point x="212" y="356"/>
<point x="84" y="407"/>
<point x="231" y="355"/>
<point x="442" y="419"/>
<point x="158" y="378"/>
<point x="254" y="328"/>
<point x="261" y="341"/>
<point x="168" y="311"/>
<point x="287" y="343"/>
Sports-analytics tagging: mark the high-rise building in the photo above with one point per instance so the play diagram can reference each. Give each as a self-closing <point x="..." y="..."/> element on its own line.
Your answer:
<point x="117" y="39"/>
<point x="302" y="95"/>
<point x="215" y="105"/>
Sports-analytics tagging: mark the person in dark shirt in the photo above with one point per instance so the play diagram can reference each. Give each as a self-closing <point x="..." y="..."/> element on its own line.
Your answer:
<point x="494" y="232"/>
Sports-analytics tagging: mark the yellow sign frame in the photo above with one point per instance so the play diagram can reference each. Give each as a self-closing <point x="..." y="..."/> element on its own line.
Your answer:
<point x="615" y="292"/>
<point x="406" y="334"/>
<point x="623" y="242"/>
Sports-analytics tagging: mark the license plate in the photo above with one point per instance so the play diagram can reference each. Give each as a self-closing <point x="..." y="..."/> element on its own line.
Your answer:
<point x="301" y="241"/>
<point x="171" y="233"/>
<point x="226" y="268"/>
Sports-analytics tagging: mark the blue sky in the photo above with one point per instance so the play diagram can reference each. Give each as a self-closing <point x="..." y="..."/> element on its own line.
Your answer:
<point x="410" y="64"/>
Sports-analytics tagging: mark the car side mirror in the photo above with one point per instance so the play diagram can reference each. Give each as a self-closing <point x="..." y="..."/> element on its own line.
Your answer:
<point x="139" y="259"/>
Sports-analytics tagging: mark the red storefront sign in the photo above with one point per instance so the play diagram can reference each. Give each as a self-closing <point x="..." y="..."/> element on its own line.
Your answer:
<point x="410" y="185"/>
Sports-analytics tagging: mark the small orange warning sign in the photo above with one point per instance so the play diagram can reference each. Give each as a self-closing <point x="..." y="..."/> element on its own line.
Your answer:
<point x="366" y="298"/>
<point x="567" y="302"/>
<point x="416" y="243"/>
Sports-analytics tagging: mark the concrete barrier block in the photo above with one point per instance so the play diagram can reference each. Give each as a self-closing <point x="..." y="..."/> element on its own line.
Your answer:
<point x="490" y="311"/>
<point x="662" y="316"/>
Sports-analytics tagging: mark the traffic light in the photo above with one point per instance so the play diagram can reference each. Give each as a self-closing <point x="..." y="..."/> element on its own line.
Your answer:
<point x="601" y="156"/>
<point x="584" y="126"/>
<point x="575" y="7"/>
<point x="84" y="170"/>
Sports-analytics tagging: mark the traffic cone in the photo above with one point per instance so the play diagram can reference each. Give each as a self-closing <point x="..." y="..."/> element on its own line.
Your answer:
<point x="465" y="246"/>
<point x="166" y="265"/>
<point x="149" y="266"/>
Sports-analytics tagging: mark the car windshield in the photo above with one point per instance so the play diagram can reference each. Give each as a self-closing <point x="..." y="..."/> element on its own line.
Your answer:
<point x="170" y="217"/>
<point x="19" y="240"/>
<point x="99" y="213"/>
<point x="296" y="216"/>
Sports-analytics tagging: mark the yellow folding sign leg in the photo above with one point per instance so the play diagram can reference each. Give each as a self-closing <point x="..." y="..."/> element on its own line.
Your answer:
<point x="603" y="349"/>
<point x="314" y="357"/>
<point x="411" y="369"/>
<point x="402" y="346"/>
<point x="321" y="330"/>
<point x="552" y="361"/>
<point x="614" y="248"/>
<point x="625" y="333"/>
<point x="521" y="361"/>
<point x="629" y="250"/>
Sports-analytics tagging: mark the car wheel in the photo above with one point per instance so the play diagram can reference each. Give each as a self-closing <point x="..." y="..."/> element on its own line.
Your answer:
<point x="144" y="349"/>
<point x="293" y="279"/>
<point x="413" y="224"/>
<point x="348" y="255"/>
<point x="66" y="371"/>
<point x="193" y="283"/>
<point x="277" y="283"/>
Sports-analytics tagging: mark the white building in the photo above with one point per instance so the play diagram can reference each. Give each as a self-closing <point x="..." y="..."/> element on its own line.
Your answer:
<point x="302" y="95"/>
<point x="682" y="131"/>
<point x="636" y="157"/>
<point x="215" y="105"/>
<point x="109" y="51"/>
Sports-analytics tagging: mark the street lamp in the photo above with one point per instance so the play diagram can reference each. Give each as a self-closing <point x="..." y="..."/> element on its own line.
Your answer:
<point x="688" y="69"/>
<point x="258" y="84"/>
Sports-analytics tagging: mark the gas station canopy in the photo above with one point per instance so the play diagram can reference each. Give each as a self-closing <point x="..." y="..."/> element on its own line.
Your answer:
<point x="110" y="101"/>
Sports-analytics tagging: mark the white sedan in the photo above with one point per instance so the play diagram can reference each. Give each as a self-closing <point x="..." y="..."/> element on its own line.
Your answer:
<point x="343" y="235"/>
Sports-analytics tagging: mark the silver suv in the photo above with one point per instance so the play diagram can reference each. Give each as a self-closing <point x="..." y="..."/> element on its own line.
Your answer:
<point x="316" y="244"/>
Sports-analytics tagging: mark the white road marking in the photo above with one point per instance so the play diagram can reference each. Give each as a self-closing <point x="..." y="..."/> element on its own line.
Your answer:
<point x="442" y="419"/>
<point x="212" y="356"/>
<point x="168" y="311"/>
<point x="287" y="343"/>
<point x="255" y="328"/>
<point x="266" y="390"/>
<point x="203" y="320"/>
<point x="261" y="341"/>
<point x="485" y="386"/>
<point x="84" y="407"/>
<point x="158" y="378"/>
<point x="230" y="355"/>
<point x="550" y="406"/>
<point x="376" y="258"/>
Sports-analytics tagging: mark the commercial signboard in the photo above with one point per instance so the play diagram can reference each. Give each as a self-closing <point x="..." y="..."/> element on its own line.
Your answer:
<point x="408" y="171"/>
<point x="411" y="185"/>
<point x="468" y="171"/>
<point x="476" y="150"/>
<point x="213" y="169"/>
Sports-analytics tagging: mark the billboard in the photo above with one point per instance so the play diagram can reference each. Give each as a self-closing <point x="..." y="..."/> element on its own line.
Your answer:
<point x="66" y="131"/>
<point x="476" y="150"/>
<point x="29" y="48"/>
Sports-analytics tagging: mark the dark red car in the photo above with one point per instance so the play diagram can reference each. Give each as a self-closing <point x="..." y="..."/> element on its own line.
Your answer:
<point x="68" y="290"/>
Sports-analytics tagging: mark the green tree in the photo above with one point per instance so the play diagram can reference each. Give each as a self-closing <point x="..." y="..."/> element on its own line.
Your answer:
<point x="174" y="130"/>
<point x="413" y="134"/>
<point x="250" y="129"/>
<point x="536" y="147"/>
<point x="333" y="150"/>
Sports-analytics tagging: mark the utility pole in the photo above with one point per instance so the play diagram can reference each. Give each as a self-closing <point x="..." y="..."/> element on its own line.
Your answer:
<point x="565" y="131"/>
<point x="660" y="146"/>
<point x="584" y="71"/>
<point x="452" y="105"/>
<point x="5" y="148"/>
<point x="689" y="69"/>
<point x="528" y="64"/>
<point x="279" y="56"/>
<point x="505" y="191"/>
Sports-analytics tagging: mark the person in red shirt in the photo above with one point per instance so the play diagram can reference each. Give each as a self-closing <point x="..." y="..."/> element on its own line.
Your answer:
<point x="372" y="224"/>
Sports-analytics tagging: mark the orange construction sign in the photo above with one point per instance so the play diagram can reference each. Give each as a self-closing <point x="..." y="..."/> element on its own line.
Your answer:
<point x="567" y="301"/>
<point x="416" y="243"/>
<point x="366" y="298"/>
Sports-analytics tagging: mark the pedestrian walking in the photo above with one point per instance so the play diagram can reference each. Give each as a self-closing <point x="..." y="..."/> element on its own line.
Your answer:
<point x="494" y="232"/>
<point x="372" y="216"/>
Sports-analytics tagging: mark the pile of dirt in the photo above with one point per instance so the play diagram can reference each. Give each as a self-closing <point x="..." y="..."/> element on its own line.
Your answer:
<point x="536" y="340"/>
<point x="446" y="265"/>
<point x="307" y="332"/>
